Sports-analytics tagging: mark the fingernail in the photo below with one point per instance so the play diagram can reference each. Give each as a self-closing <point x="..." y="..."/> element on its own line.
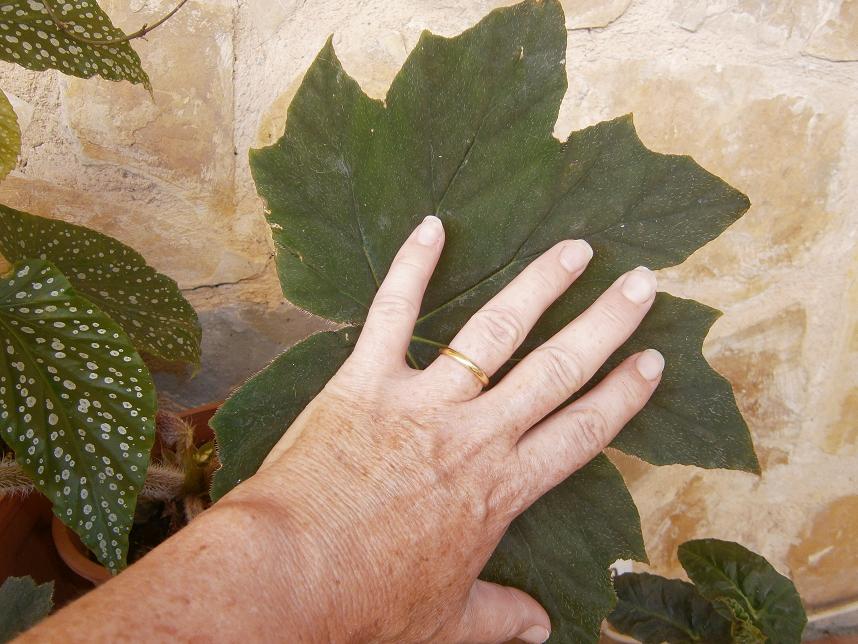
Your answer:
<point x="535" y="635"/>
<point x="429" y="232"/>
<point x="575" y="255"/>
<point x="650" y="364"/>
<point x="639" y="285"/>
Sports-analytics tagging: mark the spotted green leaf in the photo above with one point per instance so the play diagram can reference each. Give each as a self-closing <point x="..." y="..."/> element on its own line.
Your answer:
<point x="31" y="37"/>
<point x="466" y="132"/>
<point x="148" y="305"/>
<point x="745" y="587"/>
<point x="10" y="137"/>
<point x="77" y="405"/>
<point x="653" y="609"/>
<point x="23" y="604"/>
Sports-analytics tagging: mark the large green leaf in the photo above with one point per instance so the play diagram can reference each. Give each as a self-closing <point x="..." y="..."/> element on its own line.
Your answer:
<point x="560" y="549"/>
<point x="31" y="38"/>
<point x="746" y="587"/>
<point x="10" y="137"/>
<point x="653" y="609"/>
<point x="148" y="305"/>
<point x="77" y="405"/>
<point x="466" y="132"/>
<point x="23" y="604"/>
<point x="251" y="422"/>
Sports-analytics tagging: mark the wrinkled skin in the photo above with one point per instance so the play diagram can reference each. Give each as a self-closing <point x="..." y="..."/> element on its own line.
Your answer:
<point x="373" y="516"/>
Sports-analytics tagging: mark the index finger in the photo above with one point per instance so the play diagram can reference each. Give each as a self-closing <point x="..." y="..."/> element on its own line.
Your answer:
<point x="393" y="313"/>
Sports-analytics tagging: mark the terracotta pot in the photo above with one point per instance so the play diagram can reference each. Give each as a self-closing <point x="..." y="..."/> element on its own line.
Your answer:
<point x="68" y="544"/>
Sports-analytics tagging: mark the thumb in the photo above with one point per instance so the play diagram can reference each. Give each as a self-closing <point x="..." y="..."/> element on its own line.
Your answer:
<point x="499" y="613"/>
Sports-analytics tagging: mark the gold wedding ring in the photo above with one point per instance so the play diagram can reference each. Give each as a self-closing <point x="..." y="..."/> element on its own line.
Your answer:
<point x="466" y="362"/>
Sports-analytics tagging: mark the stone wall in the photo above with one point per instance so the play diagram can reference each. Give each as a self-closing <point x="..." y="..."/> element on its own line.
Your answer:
<point x="761" y="92"/>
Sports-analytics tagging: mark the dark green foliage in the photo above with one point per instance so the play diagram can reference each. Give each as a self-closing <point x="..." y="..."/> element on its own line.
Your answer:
<point x="653" y="609"/>
<point x="23" y="604"/>
<point x="738" y="597"/>
<point x="746" y="587"/>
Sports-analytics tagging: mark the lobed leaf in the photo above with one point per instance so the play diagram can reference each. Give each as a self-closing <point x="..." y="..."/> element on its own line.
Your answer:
<point x="653" y="609"/>
<point x="30" y="37"/>
<point x="559" y="550"/>
<point x="10" y="137"/>
<point x="23" y="604"/>
<point x="466" y="132"/>
<point x="746" y="587"/>
<point x="77" y="405"/>
<point x="254" y="418"/>
<point x="149" y="305"/>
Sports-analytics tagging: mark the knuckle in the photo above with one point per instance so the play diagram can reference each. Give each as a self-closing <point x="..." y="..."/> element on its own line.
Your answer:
<point x="589" y="433"/>
<point x="393" y="305"/>
<point x="630" y="395"/>
<point x="615" y="315"/>
<point x="563" y="369"/>
<point x="501" y="325"/>
<point x="543" y="280"/>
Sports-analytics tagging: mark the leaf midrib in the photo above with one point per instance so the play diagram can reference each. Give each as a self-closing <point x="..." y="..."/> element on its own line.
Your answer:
<point x="730" y="580"/>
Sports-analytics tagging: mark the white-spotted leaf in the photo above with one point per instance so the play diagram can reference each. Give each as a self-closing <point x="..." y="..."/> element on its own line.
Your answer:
<point x="148" y="305"/>
<point x="10" y="137"/>
<point x="30" y="37"/>
<point x="77" y="405"/>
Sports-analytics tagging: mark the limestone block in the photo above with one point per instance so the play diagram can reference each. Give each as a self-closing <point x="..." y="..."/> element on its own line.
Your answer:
<point x="837" y="38"/>
<point x="590" y="14"/>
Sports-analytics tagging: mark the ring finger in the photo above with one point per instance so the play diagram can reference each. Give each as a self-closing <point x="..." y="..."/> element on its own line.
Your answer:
<point x="494" y="332"/>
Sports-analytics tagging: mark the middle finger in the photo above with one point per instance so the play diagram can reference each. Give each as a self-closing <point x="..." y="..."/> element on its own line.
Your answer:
<point x="494" y="332"/>
<point x="553" y="372"/>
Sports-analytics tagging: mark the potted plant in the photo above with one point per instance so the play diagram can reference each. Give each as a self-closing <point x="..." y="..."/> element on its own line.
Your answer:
<point x="81" y="318"/>
<point x="466" y="133"/>
<point x="736" y="596"/>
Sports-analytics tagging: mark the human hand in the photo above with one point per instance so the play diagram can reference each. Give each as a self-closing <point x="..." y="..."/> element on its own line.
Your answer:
<point x="394" y="486"/>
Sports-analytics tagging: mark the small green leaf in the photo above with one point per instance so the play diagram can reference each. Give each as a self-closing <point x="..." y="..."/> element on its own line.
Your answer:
<point x="747" y="586"/>
<point x="77" y="405"/>
<point x="23" y="604"/>
<point x="653" y="609"/>
<point x="743" y="629"/>
<point x="10" y="136"/>
<point x="559" y="550"/>
<point x="255" y="417"/>
<point x="148" y="305"/>
<point x="30" y="37"/>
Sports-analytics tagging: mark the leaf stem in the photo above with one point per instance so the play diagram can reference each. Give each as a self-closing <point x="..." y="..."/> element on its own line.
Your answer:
<point x="145" y="29"/>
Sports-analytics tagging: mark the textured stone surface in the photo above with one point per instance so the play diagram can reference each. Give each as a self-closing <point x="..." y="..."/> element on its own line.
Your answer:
<point x="762" y="92"/>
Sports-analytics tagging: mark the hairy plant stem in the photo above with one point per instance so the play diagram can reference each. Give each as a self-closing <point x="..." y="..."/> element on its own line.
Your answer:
<point x="145" y="29"/>
<point x="162" y="483"/>
<point x="13" y="480"/>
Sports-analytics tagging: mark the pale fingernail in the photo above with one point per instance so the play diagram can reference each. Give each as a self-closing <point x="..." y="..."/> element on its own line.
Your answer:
<point x="535" y="635"/>
<point x="639" y="285"/>
<point x="650" y="364"/>
<point x="575" y="255"/>
<point x="429" y="232"/>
